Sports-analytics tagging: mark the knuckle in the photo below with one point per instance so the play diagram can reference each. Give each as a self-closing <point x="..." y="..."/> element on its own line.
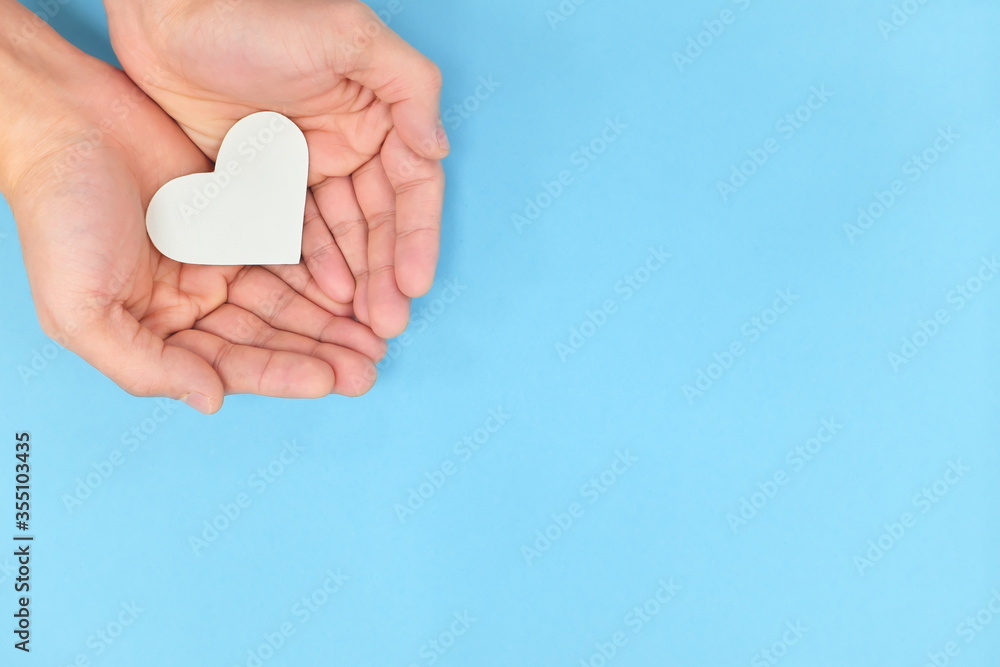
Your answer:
<point x="262" y="336"/>
<point x="49" y="326"/>
<point x="357" y="10"/>
<point x="379" y="219"/>
<point x="323" y="251"/>
<point x="420" y="230"/>
<point x="222" y="356"/>
<point x="344" y="228"/>
<point x="57" y="327"/>
<point x="357" y="20"/>
<point x="433" y="76"/>
<point x="276" y="304"/>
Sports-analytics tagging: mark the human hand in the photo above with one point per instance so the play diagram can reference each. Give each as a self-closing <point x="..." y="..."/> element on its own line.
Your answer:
<point x="82" y="151"/>
<point x="367" y="102"/>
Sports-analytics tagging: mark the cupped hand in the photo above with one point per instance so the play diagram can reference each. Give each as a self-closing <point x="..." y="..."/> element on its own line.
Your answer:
<point x="367" y="102"/>
<point x="90" y="159"/>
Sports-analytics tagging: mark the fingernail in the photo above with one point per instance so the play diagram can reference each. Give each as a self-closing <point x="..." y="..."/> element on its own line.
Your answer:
<point x="199" y="402"/>
<point x="442" y="138"/>
<point x="383" y="349"/>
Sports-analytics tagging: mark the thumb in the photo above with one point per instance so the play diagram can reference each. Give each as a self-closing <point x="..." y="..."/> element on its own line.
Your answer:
<point x="403" y="78"/>
<point x="144" y="365"/>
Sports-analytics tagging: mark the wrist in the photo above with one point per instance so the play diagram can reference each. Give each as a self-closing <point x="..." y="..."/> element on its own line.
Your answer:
<point x="45" y="86"/>
<point x="130" y="20"/>
<point x="135" y="27"/>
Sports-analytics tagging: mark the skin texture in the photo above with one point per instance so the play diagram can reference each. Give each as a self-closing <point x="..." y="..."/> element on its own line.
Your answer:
<point x="82" y="150"/>
<point x="367" y="102"/>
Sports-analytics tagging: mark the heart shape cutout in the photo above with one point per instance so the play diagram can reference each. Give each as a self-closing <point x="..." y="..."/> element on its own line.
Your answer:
<point x="249" y="210"/>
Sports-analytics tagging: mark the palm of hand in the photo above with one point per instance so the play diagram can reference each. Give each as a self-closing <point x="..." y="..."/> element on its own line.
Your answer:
<point x="181" y="330"/>
<point x="371" y="227"/>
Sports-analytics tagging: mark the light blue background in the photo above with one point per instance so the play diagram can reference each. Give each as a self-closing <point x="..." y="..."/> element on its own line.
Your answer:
<point x="523" y="291"/>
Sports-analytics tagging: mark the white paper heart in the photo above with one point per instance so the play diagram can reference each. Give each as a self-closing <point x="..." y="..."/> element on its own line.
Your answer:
<point x="249" y="210"/>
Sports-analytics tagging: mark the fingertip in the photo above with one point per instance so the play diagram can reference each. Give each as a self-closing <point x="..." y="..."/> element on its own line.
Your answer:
<point x="414" y="288"/>
<point x="387" y="326"/>
<point x="316" y="379"/>
<point x="342" y="288"/>
<point x="196" y="382"/>
<point x="427" y="139"/>
<point x="438" y="146"/>
<point x="402" y="77"/>
<point x="413" y="280"/>
<point x="381" y="349"/>
<point x="360" y="381"/>
<point x="206" y="405"/>
<point x="334" y="278"/>
<point x="388" y="308"/>
<point x="338" y="283"/>
<point x="444" y="144"/>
